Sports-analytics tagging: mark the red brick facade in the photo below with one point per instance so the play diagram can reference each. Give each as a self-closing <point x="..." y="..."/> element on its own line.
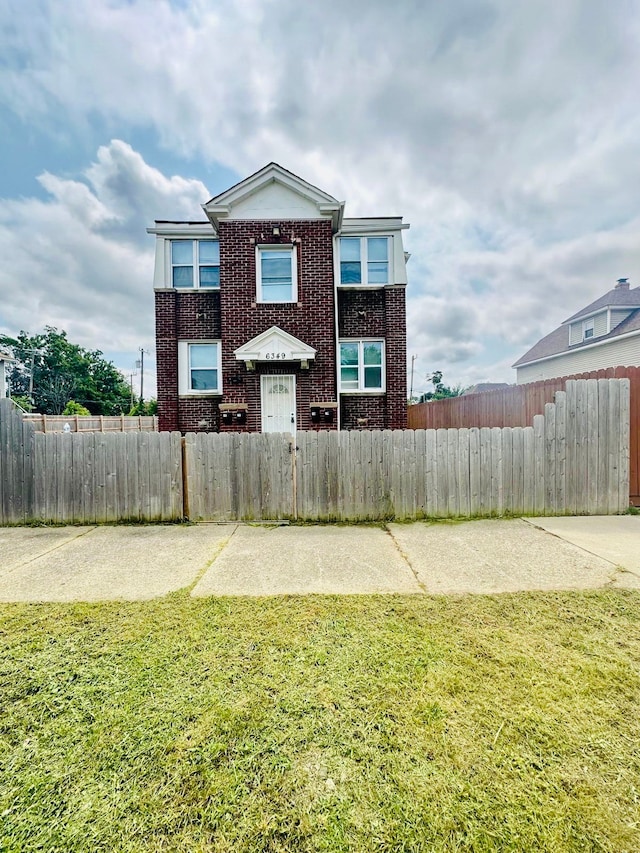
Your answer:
<point x="233" y="315"/>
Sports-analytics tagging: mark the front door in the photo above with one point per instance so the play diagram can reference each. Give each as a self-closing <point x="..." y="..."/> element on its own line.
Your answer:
<point x="278" y="398"/>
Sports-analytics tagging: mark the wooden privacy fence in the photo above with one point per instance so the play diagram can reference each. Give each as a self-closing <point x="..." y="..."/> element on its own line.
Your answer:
<point x="87" y="477"/>
<point x="573" y="459"/>
<point x="516" y="406"/>
<point x="93" y="423"/>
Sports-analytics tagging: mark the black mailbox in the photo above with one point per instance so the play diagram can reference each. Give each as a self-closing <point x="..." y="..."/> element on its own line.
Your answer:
<point x="227" y="418"/>
<point x="327" y="416"/>
<point x="315" y="414"/>
<point x="240" y="416"/>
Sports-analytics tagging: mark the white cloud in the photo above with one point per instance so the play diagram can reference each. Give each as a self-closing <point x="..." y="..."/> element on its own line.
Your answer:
<point x="81" y="260"/>
<point x="506" y="133"/>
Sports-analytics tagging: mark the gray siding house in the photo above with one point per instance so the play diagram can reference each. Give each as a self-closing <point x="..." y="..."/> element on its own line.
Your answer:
<point x="605" y="333"/>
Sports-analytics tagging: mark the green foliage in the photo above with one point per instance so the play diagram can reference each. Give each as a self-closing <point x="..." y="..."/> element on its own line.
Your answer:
<point x="62" y="371"/>
<point x="73" y="408"/>
<point x="142" y="408"/>
<point x="440" y="390"/>
<point x="23" y="402"/>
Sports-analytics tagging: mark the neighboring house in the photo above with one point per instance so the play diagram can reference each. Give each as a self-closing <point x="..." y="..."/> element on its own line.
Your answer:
<point x="276" y="313"/>
<point x="485" y="387"/>
<point x="604" y="334"/>
<point x="5" y="361"/>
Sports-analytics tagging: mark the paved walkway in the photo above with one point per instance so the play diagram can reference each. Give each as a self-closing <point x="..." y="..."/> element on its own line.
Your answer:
<point x="135" y="563"/>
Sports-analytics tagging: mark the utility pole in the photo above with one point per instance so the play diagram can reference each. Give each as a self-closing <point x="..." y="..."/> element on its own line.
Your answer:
<point x="413" y="358"/>
<point x="140" y="364"/>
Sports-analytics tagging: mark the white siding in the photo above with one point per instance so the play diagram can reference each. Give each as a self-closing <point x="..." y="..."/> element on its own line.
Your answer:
<point x="575" y="333"/>
<point x="618" y="316"/>
<point x="622" y="352"/>
<point x="275" y="201"/>
<point x="600" y="325"/>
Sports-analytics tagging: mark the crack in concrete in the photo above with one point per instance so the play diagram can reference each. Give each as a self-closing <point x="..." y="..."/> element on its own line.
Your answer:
<point x="404" y="556"/>
<point x="51" y="550"/>
<point x="221" y="546"/>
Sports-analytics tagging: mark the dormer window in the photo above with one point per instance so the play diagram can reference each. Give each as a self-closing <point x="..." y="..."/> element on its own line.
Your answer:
<point x="195" y="263"/>
<point x="587" y="329"/>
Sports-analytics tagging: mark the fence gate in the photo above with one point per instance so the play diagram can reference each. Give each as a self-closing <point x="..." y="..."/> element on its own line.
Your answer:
<point x="239" y="476"/>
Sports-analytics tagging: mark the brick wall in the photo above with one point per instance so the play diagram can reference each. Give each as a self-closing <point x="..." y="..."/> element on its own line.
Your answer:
<point x="201" y="315"/>
<point x="377" y="314"/>
<point x="311" y="320"/>
<point x="189" y="315"/>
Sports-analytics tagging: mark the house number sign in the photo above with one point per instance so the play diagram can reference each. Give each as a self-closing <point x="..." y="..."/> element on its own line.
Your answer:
<point x="279" y="356"/>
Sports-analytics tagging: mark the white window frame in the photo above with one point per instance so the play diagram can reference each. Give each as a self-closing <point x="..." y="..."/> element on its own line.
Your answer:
<point x="277" y="247"/>
<point x="588" y="326"/>
<point x="195" y="262"/>
<point x="364" y="260"/>
<point x="184" y="370"/>
<point x="361" y="387"/>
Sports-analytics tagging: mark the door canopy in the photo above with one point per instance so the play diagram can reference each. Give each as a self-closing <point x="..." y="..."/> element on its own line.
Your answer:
<point x="275" y="346"/>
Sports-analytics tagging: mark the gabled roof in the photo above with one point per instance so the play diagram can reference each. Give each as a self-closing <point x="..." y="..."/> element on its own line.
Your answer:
<point x="323" y="204"/>
<point x="557" y="342"/>
<point x="615" y="298"/>
<point x="6" y="357"/>
<point x="275" y="344"/>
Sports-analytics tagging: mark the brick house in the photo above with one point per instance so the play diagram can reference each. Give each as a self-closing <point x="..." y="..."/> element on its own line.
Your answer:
<point x="276" y="313"/>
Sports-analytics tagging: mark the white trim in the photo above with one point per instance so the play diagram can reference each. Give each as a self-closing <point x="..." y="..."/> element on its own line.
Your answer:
<point x="277" y="247"/>
<point x="383" y="375"/>
<point x="600" y="310"/>
<point x="270" y="343"/>
<point x="575" y="348"/>
<point x="372" y="225"/>
<point x="184" y="367"/>
<point x="221" y="206"/>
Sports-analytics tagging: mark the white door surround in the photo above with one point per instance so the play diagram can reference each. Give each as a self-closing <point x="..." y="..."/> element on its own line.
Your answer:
<point x="278" y="403"/>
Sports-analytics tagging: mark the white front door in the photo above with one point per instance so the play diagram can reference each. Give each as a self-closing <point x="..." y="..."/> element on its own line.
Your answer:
<point x="278" y="397"/>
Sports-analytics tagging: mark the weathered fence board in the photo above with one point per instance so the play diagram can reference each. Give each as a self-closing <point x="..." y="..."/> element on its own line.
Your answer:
<point x="238" y="476"/>
<point x="517" y="404"/>
<point x="573" y="459"/>
<point x="87" y="477"/>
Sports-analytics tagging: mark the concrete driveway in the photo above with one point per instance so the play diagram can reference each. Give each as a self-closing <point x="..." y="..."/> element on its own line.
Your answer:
<point x="489" y="556"/>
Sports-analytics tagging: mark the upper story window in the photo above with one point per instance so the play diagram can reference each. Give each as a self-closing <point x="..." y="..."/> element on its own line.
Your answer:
<point x="277" y="274"/>
<point x="199" y="367"/>
<point x="364" y="260"/>
<point x="588" y="327"/>
<point x="195" y="263"/>
<point x="362" y="365"/>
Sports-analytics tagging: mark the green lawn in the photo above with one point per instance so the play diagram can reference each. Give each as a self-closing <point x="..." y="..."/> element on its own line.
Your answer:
<point x="324" y="723"/>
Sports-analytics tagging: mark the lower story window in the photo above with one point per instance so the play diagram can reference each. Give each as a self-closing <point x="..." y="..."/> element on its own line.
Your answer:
<point x="199" y="369"/>
<point x="362" y="365"/>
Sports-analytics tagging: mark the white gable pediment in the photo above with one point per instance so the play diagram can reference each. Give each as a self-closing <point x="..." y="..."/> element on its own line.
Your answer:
<point x="274" y="193"/>
<point x="275" y="345"/>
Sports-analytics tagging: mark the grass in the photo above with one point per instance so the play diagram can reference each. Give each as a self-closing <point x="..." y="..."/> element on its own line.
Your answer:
<point x="322" y="724"/>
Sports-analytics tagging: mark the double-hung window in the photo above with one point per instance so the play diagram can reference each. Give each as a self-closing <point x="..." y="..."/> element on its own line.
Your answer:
<point x="588" y="327"/>
<point x="362" y="365"/>
<point x="364" y="260"/>
<point x="277" y="274"/>
<point x="199" y="368"/>
<point x="195" y="263"/>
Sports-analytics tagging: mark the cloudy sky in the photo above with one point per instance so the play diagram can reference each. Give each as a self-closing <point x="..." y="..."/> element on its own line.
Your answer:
<point x="507" y="134"/>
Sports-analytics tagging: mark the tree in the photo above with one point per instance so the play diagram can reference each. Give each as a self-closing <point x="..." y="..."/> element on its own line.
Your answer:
<point x="52" y="371"/>
<point x="440" y="390"/>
